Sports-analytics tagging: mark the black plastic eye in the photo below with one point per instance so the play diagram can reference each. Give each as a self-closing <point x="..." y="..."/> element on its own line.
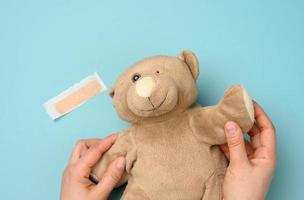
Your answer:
<point x="135" y="77"/>
<point x="157" y="72"/>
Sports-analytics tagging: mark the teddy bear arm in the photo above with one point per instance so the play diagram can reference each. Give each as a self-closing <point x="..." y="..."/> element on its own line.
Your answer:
<point x="123" y="146"/>
<point x="207" y="125"/>
<point x="236" y="105"/>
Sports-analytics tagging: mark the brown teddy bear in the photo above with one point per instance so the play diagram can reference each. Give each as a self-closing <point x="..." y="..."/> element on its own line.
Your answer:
<point x="171" y="148"/>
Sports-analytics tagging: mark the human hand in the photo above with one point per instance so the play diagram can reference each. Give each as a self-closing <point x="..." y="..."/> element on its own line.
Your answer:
<point x="253" y="162"/>
<point x="76" y="184"/>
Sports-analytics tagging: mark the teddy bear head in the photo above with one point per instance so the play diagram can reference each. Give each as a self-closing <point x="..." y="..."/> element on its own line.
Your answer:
<point x="156" y="87"/>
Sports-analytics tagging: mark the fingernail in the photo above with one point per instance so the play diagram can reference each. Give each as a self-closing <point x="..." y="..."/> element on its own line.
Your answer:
<point x="230" y="128"/>
<point x="120" y="163"/>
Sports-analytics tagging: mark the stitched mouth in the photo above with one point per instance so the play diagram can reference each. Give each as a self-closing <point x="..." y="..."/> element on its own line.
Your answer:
<point x="154" y="107"/>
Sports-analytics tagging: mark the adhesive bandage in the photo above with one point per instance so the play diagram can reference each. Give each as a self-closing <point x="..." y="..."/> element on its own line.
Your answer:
<point x="74" y="96"/>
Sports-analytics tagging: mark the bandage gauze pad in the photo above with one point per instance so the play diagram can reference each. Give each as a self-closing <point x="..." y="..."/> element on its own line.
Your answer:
<point x="74" y="96"/>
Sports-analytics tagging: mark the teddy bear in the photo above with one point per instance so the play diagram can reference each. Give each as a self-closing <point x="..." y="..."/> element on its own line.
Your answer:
<point x="171" y="147"/>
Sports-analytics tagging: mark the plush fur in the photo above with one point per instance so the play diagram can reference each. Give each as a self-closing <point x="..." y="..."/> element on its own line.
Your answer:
<point x="171" y="148"/>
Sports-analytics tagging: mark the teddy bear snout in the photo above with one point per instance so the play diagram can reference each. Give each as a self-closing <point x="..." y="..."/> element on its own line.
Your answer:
<point x="152" y="95"/>
<point x="145" y="86"/>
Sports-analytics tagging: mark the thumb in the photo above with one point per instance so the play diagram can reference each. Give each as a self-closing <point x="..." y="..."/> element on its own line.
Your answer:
<point x="111" y="178"/>
<point x="236" y="143"/>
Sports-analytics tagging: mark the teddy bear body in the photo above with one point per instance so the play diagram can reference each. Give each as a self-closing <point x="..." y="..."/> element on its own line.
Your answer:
<point x="171" y="148"/>
<point x="179" y="166"/>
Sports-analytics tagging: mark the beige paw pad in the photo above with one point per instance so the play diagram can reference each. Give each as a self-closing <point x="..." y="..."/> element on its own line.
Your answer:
<point x="248" y="103"/>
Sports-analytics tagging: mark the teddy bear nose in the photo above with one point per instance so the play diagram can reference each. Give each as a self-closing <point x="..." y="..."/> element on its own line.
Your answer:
<point x="145" y="86"/>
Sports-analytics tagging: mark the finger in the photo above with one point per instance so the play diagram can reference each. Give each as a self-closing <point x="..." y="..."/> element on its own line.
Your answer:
<point x="111" y="178"/>
<point x="236" y="144"/>
<point x="81" y="147"/>
<point x="225" y="149"/>
<point x="254" y="134"/>
<point x="249" y="148"/>
<point x="267" y="135"/>
<point x="94" y="153"/>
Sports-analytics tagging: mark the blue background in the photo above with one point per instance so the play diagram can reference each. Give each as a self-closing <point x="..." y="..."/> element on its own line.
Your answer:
<point x="47" y="46"/>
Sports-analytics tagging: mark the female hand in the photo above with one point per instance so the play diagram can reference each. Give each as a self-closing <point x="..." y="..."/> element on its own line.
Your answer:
<point x="252" y="163"/>
<point x="76" y="184"/>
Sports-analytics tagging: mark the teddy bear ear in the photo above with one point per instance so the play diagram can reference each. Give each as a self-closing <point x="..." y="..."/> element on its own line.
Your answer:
<point x="112" y="92"/>
<point x="191" y="60"/>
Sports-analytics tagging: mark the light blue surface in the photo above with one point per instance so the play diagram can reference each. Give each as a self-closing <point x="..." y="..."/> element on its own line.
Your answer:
<point x="47" y="46"/>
